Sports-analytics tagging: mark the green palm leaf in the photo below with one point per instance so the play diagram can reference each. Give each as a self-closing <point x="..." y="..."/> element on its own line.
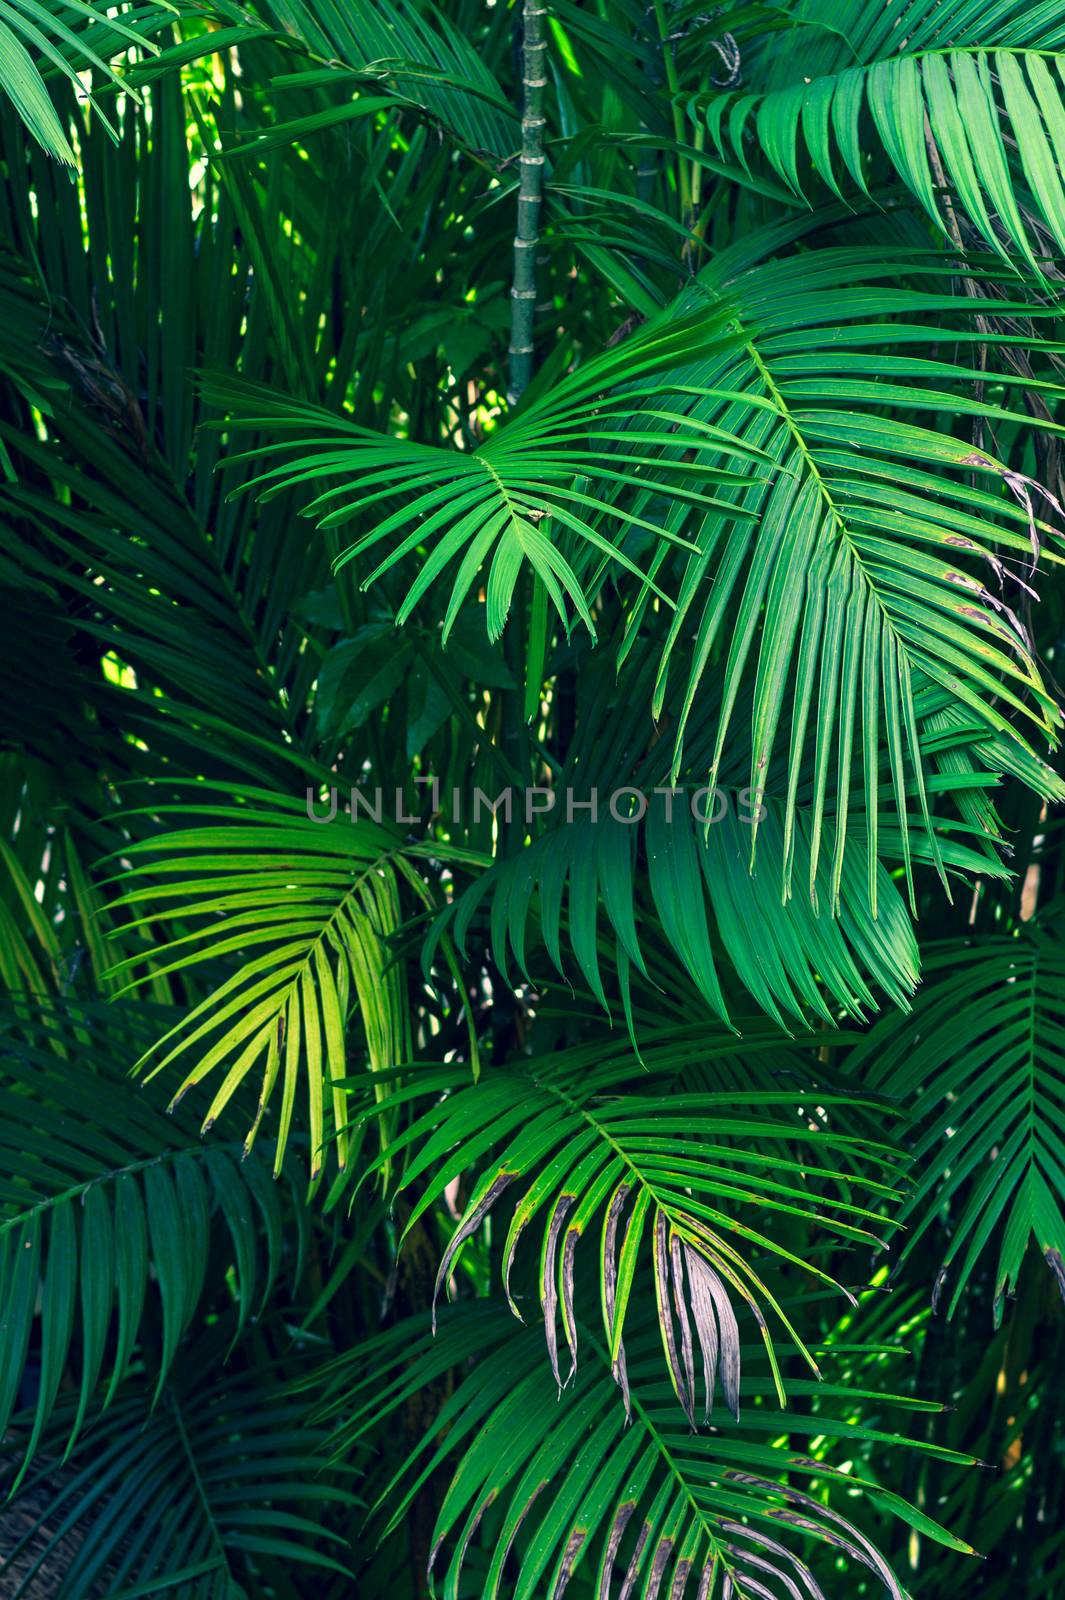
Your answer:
<point x="561" y="486"/>
<point x="103" y="1225"/>
<point x="987" y="113"/>
<point x="672" y="1174"/>
<point x="873" y="555"/>
<point x="42" y="40"/>
<point x="302" y="912"/>
<point x="190" y="1493"/>
<point x="414" y="49"/>
<point x="980" y="1063"/>
<point x="580" y="883"/>
<point x="569" y="1486"/>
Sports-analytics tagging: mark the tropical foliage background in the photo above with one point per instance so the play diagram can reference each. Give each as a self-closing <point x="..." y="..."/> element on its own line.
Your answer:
<point x="580" y="400"/>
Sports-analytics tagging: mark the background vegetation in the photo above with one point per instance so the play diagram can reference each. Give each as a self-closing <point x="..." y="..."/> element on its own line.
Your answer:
<point x="592" y="397"/>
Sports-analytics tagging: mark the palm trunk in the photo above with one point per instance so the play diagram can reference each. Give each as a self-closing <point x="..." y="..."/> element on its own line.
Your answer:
<point x="530" y="190"/>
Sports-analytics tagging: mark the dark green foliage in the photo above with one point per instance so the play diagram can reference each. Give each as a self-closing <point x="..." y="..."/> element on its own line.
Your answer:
<point x="535" y="804"/>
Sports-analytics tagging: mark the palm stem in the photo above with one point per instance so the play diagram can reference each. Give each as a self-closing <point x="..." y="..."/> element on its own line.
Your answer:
<point x="530" y="193"/>
<point x="673" y="85"/>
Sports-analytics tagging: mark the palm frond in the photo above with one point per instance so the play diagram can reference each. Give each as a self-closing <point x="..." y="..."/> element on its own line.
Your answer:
<point x="965" y="118"/>
<point x="416" y="51"/>
<point x="670" y="1174"/>
<point x="552" y="476"/>
<point x="980" y="1064"/>
<point x="192" y="1492"/>
<point x="579" y="882"/>
<point x="553" y="1488"/>
<point x="875" y="590"/>
<point x="67" y="40"/>
<point x="300" y="914"/>
<point x="105" y="1225"/>
<point x="873" y="554"/>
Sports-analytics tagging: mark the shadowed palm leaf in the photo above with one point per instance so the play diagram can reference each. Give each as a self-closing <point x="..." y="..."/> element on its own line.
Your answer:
<point x="100" y="1230"/>
<point x="980" y="1062"/>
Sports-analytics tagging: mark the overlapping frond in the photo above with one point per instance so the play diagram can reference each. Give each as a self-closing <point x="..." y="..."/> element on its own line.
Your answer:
<point x="682" y="1177"/>
<point x="560" y="486"/>
<point x="415" y="50"/>
<point x="301" y="912"/>
<point x="877" y="544"/>
<point x="105" y="1224"/>
<point x="879" y="548"/>
<point x="577" y="883"/>
<point x="47" y="40"/>
<point x="817" y="44"/>
<point x="954" y="124"/>
<point x="981" y="1068"/>
<point x="551" y="1489"/>
<point x="188" y="1493"/>
<point x="101" y="508"/>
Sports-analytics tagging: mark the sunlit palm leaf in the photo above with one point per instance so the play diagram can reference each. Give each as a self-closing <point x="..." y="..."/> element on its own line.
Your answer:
<point x="301" y="912"/>
<point x="561" y="486"/>
<point x="875" y="555"/>
<point x="44" y="39"/>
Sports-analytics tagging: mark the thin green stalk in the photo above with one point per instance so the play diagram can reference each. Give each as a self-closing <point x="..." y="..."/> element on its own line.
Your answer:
<point x="530" y="193"/>
<point x="673" y="85"/>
